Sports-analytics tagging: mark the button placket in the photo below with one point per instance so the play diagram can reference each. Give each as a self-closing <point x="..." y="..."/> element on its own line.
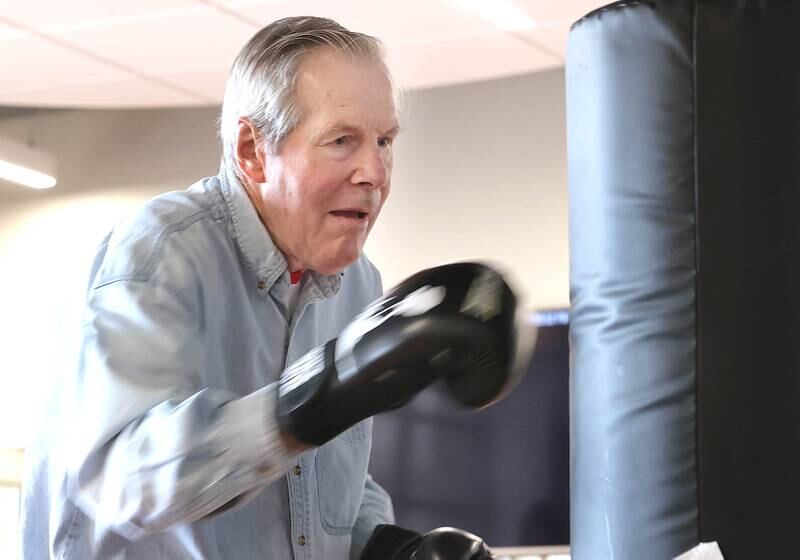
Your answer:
<point x="300" y="518"/>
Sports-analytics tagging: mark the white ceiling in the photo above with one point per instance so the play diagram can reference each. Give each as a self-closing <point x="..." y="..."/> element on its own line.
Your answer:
<point x="168" y="53"/>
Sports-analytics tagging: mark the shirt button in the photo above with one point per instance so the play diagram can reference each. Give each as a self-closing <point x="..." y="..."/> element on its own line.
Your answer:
<point x="297" y="470"/>
<point x="262" y="284"/>
<point x="301" y="540"/>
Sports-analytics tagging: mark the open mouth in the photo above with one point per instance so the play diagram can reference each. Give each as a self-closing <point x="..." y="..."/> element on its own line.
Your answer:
<point x="352" y="214"/>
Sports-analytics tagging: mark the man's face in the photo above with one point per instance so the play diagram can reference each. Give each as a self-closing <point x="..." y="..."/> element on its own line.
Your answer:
<point x="326" y="185"/>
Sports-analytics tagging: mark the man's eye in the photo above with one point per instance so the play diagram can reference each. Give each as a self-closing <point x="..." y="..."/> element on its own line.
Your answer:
<point x="342" y="141"/>
<point x="385" y="141"/>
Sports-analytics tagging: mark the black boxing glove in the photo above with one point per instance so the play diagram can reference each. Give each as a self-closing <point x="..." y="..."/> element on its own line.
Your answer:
<point x="390" y="542"/>
<point x="454" y="322"/>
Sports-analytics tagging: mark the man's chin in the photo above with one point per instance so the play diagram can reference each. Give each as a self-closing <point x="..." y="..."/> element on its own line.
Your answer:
<point x="337" y="263"/>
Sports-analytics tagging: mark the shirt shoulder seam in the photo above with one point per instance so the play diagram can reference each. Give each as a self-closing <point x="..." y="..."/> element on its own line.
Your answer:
<point x="145" y="273"/>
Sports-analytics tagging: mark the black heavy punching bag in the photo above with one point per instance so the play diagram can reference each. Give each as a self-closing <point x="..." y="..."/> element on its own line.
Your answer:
<point x="684" y="177"/>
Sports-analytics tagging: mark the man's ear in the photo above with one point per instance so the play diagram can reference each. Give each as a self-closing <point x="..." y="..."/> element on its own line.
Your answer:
<point x="248" y="156"/>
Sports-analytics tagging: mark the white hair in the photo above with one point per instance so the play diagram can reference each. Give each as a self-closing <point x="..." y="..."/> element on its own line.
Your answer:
<point x="261" y="83"/>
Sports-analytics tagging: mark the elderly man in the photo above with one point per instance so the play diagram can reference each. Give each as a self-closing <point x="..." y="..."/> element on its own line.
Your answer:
<point x="184" y="435"/>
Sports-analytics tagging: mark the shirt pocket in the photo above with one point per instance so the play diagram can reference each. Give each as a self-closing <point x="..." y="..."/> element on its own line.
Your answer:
<point x="341" y="466"/>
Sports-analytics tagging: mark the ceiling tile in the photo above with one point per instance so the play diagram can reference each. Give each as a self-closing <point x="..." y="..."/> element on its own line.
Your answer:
<point x="567" y="10"/>
<point x="442" y="62"/>
<point x="10" y="33"/>
<point x="550" y="37"/>
<point x="391" y="20"/>
<point x="89" y="13"/>
<point x="182" y="49"/>
<point x="35" y="63"/>
<point x="208" y="82"/>
<point x="126" y="91"/>
<point x="180" y="40"/>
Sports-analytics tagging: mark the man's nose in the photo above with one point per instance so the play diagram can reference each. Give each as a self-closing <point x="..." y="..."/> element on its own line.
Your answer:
<point x="373" y="167"/>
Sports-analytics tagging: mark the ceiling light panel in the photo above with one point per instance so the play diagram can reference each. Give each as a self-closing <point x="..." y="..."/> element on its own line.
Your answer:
<point x="25" y="176"/>
<point x="26" y="165"/>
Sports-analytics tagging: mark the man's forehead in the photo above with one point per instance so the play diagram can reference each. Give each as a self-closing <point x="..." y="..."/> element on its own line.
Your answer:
<point x="350" y="120"/>
<point x="341" y="99"/>
<point x="340" y="92"/>
<point x="328" y="75"/>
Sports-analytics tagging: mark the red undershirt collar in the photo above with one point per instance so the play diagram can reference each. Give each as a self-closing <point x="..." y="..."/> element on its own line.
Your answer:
<point x="296" y="275"/>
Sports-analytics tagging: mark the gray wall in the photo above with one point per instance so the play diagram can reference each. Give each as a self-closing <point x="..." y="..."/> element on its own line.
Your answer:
<point x="481" y="173"/>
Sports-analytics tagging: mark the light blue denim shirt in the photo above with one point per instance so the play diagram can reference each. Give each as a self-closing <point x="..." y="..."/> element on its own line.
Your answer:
<point x="165" y="445"/>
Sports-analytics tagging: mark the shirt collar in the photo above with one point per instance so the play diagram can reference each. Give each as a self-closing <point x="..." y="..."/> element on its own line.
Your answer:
<point x="262" y="257"/>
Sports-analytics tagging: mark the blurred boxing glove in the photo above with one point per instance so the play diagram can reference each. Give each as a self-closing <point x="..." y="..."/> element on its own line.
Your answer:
<point x="454" y="322"/>
<point x="390" y="542"/>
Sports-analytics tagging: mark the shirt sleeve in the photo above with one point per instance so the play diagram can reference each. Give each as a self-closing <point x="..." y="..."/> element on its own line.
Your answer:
<point x="150" y="445"/>
<point x="376" y="508"/>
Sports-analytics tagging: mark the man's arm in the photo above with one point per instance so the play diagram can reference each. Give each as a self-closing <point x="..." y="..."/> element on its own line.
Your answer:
<point x="151" y="445"/>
